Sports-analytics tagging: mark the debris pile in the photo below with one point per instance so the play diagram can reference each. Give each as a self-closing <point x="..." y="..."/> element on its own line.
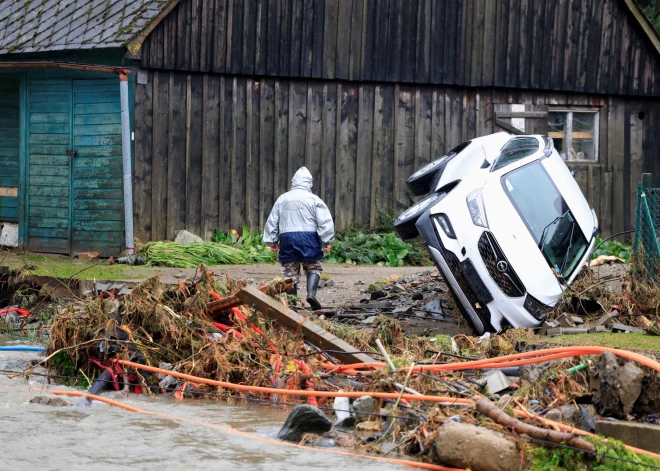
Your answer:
<point x="427" y="398"/>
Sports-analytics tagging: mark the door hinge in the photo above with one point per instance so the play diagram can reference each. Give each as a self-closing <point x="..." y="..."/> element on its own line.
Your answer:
<point x="72" y="152"/>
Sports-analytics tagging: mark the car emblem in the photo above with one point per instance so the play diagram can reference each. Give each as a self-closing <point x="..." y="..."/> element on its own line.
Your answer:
<point x="502" y="266"/>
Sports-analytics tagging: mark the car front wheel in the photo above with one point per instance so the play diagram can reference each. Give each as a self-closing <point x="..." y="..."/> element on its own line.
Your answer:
<point x="405" y="223"/>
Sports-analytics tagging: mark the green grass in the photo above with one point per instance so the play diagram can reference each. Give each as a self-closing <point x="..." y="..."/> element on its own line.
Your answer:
<point x="62" y="267"/>
<point x="635" y="342"/>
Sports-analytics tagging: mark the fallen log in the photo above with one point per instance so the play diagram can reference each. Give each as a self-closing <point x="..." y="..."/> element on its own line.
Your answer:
<point x="490" y="410"/>
<point x="233" y="301"/>
<point x="291" y="320"/>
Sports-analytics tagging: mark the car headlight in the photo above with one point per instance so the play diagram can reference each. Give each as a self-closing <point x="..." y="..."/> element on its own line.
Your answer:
<point x="475" y="203"/>
<point x="536" y="308"/>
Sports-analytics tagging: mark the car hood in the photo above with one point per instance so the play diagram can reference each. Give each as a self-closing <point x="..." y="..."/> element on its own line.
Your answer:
<point x="518" y="244"/>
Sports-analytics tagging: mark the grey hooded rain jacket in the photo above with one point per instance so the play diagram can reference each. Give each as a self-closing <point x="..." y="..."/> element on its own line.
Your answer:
<point x="299" y="222"/>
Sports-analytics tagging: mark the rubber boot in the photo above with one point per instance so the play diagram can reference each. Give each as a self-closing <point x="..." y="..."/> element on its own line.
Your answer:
<point x="293" y="292"/>
<point x="313" y="285"/>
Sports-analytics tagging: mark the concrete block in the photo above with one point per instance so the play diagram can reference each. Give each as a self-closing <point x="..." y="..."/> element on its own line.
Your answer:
<point x="644" y="436"/>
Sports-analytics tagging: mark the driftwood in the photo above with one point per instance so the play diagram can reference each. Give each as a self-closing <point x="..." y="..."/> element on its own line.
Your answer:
<point x="233" y="301"/>
<point x="489" y="409"/>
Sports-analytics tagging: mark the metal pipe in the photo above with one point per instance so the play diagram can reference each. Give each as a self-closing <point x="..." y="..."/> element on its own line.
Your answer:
<point x="126" y="163"/>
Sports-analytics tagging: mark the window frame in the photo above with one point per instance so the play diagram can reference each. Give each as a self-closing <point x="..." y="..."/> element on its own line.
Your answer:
<point x="568" y="135"/>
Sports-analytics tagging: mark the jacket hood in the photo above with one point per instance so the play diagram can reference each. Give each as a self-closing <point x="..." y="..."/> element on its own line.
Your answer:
<point x="302" y="180"/>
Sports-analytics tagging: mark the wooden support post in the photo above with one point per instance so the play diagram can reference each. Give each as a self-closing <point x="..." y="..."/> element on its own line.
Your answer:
<point x="311" y="332"/>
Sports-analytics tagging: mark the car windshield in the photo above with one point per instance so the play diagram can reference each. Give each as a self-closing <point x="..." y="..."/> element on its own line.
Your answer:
<point x="547" y="217"/>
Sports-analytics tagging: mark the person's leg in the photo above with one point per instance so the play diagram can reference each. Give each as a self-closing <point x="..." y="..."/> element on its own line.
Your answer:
<point x="292" y="270"/>
<point x="313" y="271"/>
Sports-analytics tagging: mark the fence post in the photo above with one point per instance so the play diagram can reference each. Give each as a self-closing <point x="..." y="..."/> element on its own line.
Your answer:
<point x="647" y="180"/>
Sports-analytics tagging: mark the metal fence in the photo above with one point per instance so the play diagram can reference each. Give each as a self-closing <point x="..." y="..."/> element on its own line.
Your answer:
<point x="647" y="230"/>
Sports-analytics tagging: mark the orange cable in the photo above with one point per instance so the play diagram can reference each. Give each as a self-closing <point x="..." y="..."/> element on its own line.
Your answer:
<point x="296" y="392"/>
<point x="413" y="464"/>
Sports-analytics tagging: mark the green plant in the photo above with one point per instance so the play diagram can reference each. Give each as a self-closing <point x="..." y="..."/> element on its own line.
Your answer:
<point x="251" y="242"/>
<point x="369" y="249"/>
<point x="613" y="247"/>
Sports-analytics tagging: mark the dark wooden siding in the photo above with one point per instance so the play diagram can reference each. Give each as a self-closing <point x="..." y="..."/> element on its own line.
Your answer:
<point x="215" y="151"/>
<point x="592" y="46"/>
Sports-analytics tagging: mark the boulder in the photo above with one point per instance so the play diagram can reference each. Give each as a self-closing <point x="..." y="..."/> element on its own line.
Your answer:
<point x="364" y="406"/>
<point x="616" y="386"/>
<point x="50" y="401"/>
<point x="577" y="416"/>
<point x="185" y="237"/>
<point x="304" y="419"/>
<point x="477" y="448"/>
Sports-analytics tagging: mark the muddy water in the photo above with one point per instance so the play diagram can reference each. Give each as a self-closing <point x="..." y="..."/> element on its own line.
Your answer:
<point x="101" y="437"/>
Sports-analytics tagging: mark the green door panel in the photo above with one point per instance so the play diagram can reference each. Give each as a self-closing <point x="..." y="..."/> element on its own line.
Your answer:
<point x="9" y="147"/>
<point x="49" y="128"/>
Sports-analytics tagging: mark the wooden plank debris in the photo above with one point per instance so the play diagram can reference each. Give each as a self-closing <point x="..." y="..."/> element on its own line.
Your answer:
<point x="289" y="319"/>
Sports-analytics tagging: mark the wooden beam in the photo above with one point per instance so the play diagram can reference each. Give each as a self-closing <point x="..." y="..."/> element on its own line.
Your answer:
<point x="311" y="332"/>
<point x="233" y="301"/>
<point x="506" y="126"/>
<point x="521" y="114"/>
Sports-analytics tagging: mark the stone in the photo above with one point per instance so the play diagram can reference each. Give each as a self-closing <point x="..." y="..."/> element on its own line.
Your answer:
<point x="378" y="294"/>
<point x="565" y="320"/>
<point x="360" y="282"/>
<point x="363" y="407"/>
<point x="304" y="419"/>
<point x="577" y="320"/>
<point x="618" y="327"/>
<point x="417" y="297"/>
<point x="397" y="288"/>
<point x="644" y="436"/>
<point x="369" y="320"/>
<point x="88" y="255"/>
<point x="615" y="387"/>
<point x="322" y="283"/>
<point x="185" y="237"/>
<point x="576" y="416"/>
<point x="649" y="399"/>
<point x="546" y="326"/>
<point x="503" y="401"/>
<point x="477" y="448"/>
<point x="50" y="401"/>
<point x="534" y="373"/>
<point x="330" y="283"/>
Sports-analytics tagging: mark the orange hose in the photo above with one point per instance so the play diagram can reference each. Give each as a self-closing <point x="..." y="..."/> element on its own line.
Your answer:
<point x="412" y="464"/>
<point x="294" y="392"/>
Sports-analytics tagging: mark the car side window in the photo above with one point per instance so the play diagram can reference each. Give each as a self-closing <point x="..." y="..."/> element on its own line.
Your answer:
<point x="515" y="150"/>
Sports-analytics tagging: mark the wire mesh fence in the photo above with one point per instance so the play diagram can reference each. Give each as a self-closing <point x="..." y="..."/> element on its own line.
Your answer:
<point x="647" y="230"/>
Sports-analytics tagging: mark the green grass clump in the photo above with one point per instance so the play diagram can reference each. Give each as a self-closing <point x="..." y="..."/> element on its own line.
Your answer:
<point x="612" y="456"/>
<point x="377" y="285"/>
<point x="64" y="268"/>
<point x="635" y="342"/>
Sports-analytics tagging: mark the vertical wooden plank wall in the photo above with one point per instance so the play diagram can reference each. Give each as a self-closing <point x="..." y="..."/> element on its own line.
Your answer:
<point x="215" y="151"/>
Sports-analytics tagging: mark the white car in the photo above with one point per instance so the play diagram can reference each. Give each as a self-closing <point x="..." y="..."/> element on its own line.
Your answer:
<point x="506" y="224"/>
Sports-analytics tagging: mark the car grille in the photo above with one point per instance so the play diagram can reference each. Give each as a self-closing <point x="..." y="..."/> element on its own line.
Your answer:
<point x="478" y="297"/>
<point x="499" y="267"/>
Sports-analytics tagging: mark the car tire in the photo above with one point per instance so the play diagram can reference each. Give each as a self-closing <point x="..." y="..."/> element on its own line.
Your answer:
<point x="421" y="182"/>
<point x="404" y="225"/>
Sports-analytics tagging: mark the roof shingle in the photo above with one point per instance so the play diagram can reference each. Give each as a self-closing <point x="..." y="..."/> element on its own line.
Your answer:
<point x="50" y="25"/>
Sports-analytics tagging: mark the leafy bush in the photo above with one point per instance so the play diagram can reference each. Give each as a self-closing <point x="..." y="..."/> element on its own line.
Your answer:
<point x="375" y="249"/>
<point x="251" y="242"/>
<point x="612" y="247"/>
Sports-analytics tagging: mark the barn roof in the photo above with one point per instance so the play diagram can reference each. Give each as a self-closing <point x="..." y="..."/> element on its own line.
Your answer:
<point x="53" y="25"/>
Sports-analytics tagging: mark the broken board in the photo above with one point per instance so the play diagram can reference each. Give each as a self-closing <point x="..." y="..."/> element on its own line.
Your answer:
<point x="311" y="332"/>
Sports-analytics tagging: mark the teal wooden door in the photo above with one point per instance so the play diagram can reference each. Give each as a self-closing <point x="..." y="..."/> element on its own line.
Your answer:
<point x="75" y="167"/>
<point x="97" y="168"/>
<point x="49" y="138"/>
<point x="9" y="147"/>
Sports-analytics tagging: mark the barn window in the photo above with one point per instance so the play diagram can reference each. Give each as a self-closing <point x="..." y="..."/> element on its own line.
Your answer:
<point x="575" y="134"/>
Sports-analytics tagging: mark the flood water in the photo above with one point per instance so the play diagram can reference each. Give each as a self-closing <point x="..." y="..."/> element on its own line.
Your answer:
<point x="100" y="437"/>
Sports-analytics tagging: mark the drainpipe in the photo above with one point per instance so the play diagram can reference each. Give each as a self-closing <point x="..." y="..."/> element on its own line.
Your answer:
<point x="126" y="163"/>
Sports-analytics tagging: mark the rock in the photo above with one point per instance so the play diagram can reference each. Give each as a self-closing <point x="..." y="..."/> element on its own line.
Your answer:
<point x="370" y="425"/>
<point x="88" y="255"/>
<point x="644" y="436"/>
<point x="330" y="283"/>
<point x="468" y="446"/>
<point x="649" y="399"/>
<point x="616" y="388"/>
<point x="363" y="406"/>
<point x="185" y="237"/>
<point x="534" y="373"/>
<point x="369" y="320"/>
<point x="50" y="401"/>
<point x="14" y="365"/>
<point x="578" y="417"/>
<point x="378" y="294"/>
<point x="304" y="419"/>
<point x="417" y="297"/>
<point x="359" y="282"/>
<point x="397" y="288"/>
<point x="503" y="401"/>
<point x="322" y="283"/>
<point x="565" y="320"/>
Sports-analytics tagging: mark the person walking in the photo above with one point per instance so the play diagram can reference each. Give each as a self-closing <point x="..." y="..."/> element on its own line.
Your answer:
<point x="300" y="227"/>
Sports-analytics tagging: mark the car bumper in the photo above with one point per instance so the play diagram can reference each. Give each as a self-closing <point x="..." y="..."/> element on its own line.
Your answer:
<point x="464" y="270"/>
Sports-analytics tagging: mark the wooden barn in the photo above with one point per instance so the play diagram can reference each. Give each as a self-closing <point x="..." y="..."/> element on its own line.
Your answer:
<point x="232" y="96"/>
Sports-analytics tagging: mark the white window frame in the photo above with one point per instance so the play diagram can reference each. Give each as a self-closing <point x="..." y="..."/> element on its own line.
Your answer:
<point x="568" y="135"/>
